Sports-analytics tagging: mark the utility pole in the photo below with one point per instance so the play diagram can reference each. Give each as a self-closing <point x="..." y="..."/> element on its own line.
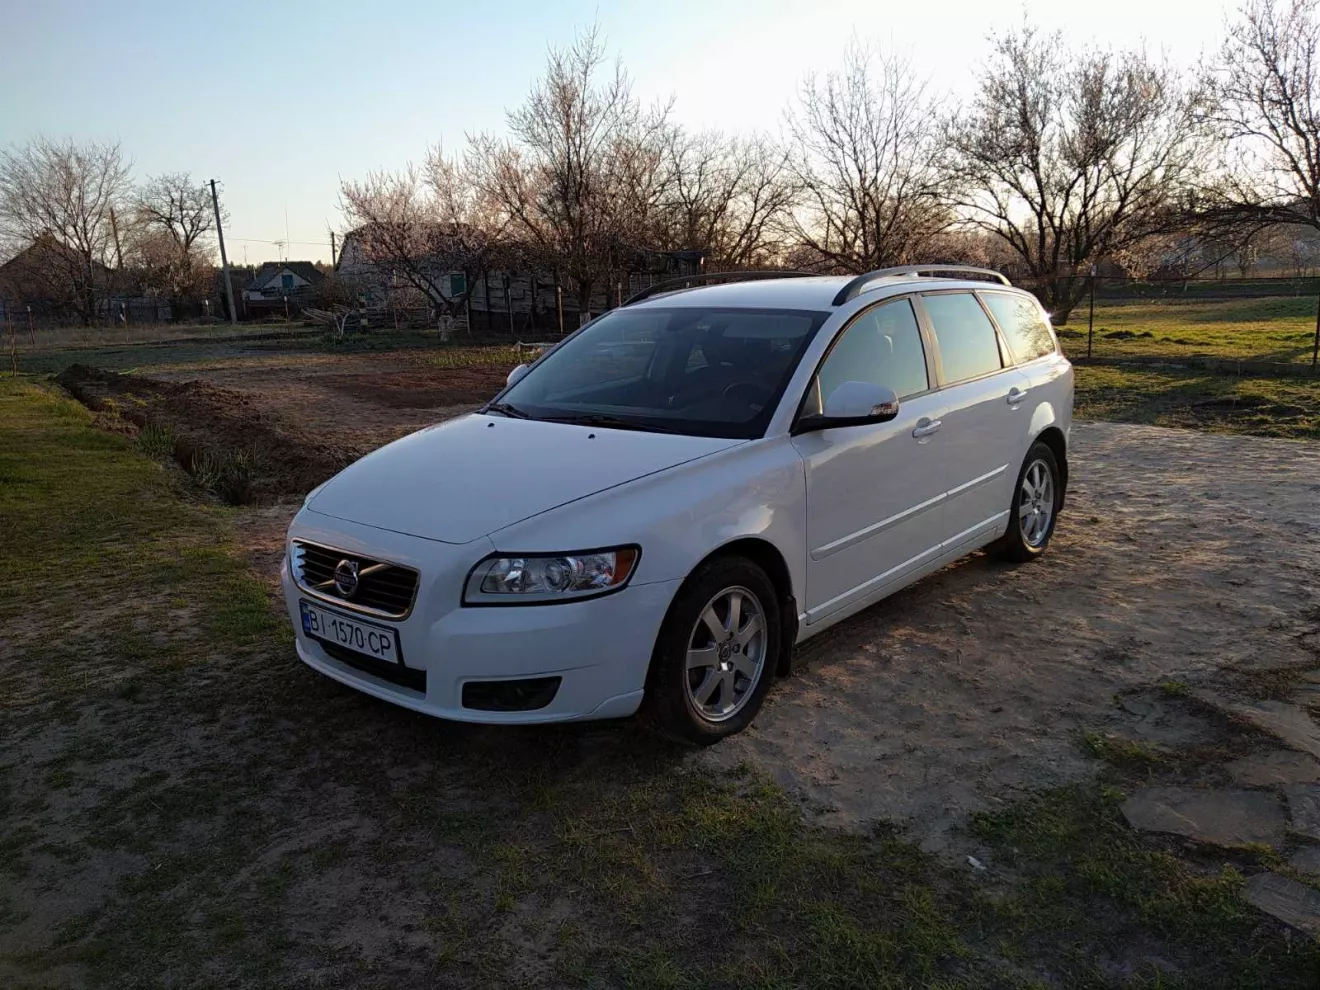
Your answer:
<point x="224" y="258"/>
<point x="332" y="250"/>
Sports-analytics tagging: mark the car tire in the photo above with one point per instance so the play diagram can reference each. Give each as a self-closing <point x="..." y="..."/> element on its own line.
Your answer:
<point x="1037" y="499"/>
<point x="707" y="680"/>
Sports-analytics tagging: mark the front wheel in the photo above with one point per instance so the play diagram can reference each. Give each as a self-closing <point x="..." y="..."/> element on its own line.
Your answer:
<point x="716" y="653"/>
<point x="1035" y="509"/>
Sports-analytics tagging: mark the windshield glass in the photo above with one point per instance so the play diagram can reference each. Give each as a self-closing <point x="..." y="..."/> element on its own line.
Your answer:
<point x="705" y="372"/>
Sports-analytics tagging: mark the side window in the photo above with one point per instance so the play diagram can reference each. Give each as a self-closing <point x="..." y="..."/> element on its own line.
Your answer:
<point x="1021" y="320"/>
<point x="966" y="337"/>
<point x="882" y="346"/>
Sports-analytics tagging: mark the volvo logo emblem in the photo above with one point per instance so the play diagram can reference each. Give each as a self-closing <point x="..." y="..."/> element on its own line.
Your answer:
<point x="346" y="577"/>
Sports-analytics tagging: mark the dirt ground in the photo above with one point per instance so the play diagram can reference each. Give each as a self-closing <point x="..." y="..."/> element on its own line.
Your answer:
<point x="249" y="813"/>
<point x="356" y="401"/>
<point x="1181" y="556"/>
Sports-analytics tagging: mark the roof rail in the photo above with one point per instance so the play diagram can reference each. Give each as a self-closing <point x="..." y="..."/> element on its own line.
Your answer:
<point x="689" y="281"/>
<point x="854" y="288"/>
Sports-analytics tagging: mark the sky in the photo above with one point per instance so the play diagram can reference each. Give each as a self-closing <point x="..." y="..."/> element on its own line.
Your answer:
<point x="282" y="101"/>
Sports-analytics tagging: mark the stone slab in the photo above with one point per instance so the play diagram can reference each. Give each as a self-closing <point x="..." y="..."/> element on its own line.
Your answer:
<point x="1306" y="860"/>
<point x="1275" y="768"/>
<point x="1290" y="724"/>
<point x="1291" y="902"/>
<point x="1304" y="809"/>
<point x="1231" y="818"/>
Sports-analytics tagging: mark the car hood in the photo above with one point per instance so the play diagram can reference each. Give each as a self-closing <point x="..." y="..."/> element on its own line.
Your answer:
<point x="466" y="478"/>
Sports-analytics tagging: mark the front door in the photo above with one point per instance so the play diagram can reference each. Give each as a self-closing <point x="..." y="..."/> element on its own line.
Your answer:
<point x="981" y="438"/>
<point x="874" y="492"/>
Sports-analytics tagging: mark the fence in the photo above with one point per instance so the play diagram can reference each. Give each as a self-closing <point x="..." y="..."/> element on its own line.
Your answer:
<point x="110" y="313"/>
<point x="1250" y="324"/>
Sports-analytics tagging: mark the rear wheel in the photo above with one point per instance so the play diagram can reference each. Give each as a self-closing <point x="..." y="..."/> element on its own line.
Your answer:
<point x="1035" y="508"/>
<point x="716" y="653"/>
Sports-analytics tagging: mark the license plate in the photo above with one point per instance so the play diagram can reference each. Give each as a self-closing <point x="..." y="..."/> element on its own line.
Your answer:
<point x="361" y="637"/>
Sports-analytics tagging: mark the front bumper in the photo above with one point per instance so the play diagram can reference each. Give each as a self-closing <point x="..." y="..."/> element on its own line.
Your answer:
<point x="600" y="648"/>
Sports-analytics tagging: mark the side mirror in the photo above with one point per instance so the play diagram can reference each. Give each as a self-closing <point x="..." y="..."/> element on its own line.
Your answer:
<point x="517" y="374"/>
<point x="854" y="404"/>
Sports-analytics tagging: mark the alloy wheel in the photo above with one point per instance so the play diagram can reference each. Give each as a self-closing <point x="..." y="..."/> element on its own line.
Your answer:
<point x="1036" y="504"/>
<point x="726" y="654"/>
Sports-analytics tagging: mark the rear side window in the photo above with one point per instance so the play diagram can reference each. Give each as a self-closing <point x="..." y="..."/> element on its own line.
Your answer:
<point x="883" y="347"/>
<point x="968" y="345"/>
<point x="1021" y="320"/>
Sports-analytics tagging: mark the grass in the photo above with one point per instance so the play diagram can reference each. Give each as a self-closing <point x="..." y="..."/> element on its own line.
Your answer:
<point x="1262" y="406"/>
<point x="1105" y="898"/>
<point x="213" y="813"/>
<point x="1119" y="751"/>
<point x="80" y="506"/>
<point x="1276" y="329"/>
<point x="476" y="357"/>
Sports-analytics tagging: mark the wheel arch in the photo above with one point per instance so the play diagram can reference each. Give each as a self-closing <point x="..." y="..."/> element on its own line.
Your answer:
<point x="1053" y="438"/>
<point x="770" y="559"/>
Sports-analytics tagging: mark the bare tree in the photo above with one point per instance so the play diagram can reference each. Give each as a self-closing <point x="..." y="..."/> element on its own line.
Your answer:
<point x="1072" y="158"/>
<point x="1264" y="101"/>
<point x="178" y="206"/>
<point x="418" y="227"/>
<point x="580" y="178"/>
<point x="727" y="197"/>
<point x="867" y="149"/>
<point x="173" y="219"/>
<point x="57" y="196"/>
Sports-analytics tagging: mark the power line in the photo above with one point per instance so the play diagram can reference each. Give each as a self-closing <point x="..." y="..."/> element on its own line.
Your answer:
<point x="258" y="240"/>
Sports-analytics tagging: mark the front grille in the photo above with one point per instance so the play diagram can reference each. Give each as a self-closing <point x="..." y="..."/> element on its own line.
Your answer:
<point x="382" y="588"/>
<point x="395" y="673"/>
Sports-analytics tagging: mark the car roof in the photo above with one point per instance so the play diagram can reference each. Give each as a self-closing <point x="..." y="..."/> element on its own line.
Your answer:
<point x="814" y="293"/>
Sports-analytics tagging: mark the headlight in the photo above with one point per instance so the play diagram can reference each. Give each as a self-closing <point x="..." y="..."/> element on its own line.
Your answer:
<point x="545" y="578"/>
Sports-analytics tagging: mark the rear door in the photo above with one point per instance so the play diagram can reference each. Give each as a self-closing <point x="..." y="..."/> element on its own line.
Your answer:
<point x="980" y="432"/>
<point x="874" y="491"/>
<point x="1026" y="329"/>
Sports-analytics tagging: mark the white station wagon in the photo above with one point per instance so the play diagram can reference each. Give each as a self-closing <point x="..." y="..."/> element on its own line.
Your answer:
<point x="654" y="512"/>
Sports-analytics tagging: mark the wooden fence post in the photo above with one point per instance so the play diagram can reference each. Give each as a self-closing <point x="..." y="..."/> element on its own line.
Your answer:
<point x="1090" y="323"/>
<point x="1315" y="348"/>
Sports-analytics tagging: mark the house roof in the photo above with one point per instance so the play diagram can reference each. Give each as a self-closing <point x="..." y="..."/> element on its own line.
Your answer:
<point x="33" y="272"/>
<point x="42" y="251"/>
<point x="271" y="270"/>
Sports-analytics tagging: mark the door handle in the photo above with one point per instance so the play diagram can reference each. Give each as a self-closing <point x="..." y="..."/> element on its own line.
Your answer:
<point x="1016" y="395"/>
<point x="926" y="426"/>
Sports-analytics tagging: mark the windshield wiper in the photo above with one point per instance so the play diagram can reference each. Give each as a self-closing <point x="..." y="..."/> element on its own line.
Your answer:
<point x="610" y="423"/>
<point x="505" y="409"/>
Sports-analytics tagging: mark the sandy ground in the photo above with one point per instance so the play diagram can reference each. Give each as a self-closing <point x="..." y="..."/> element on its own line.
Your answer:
<point x="1181" y="555"/>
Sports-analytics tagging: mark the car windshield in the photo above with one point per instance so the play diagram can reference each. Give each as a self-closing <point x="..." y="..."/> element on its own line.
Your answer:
<point x="703" y="372"/>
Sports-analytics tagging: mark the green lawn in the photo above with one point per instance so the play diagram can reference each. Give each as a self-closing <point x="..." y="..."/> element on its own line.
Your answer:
<point x="1223" y="403"/>
<point x="183" y="804"/>
<point x="1277" y="329"/>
